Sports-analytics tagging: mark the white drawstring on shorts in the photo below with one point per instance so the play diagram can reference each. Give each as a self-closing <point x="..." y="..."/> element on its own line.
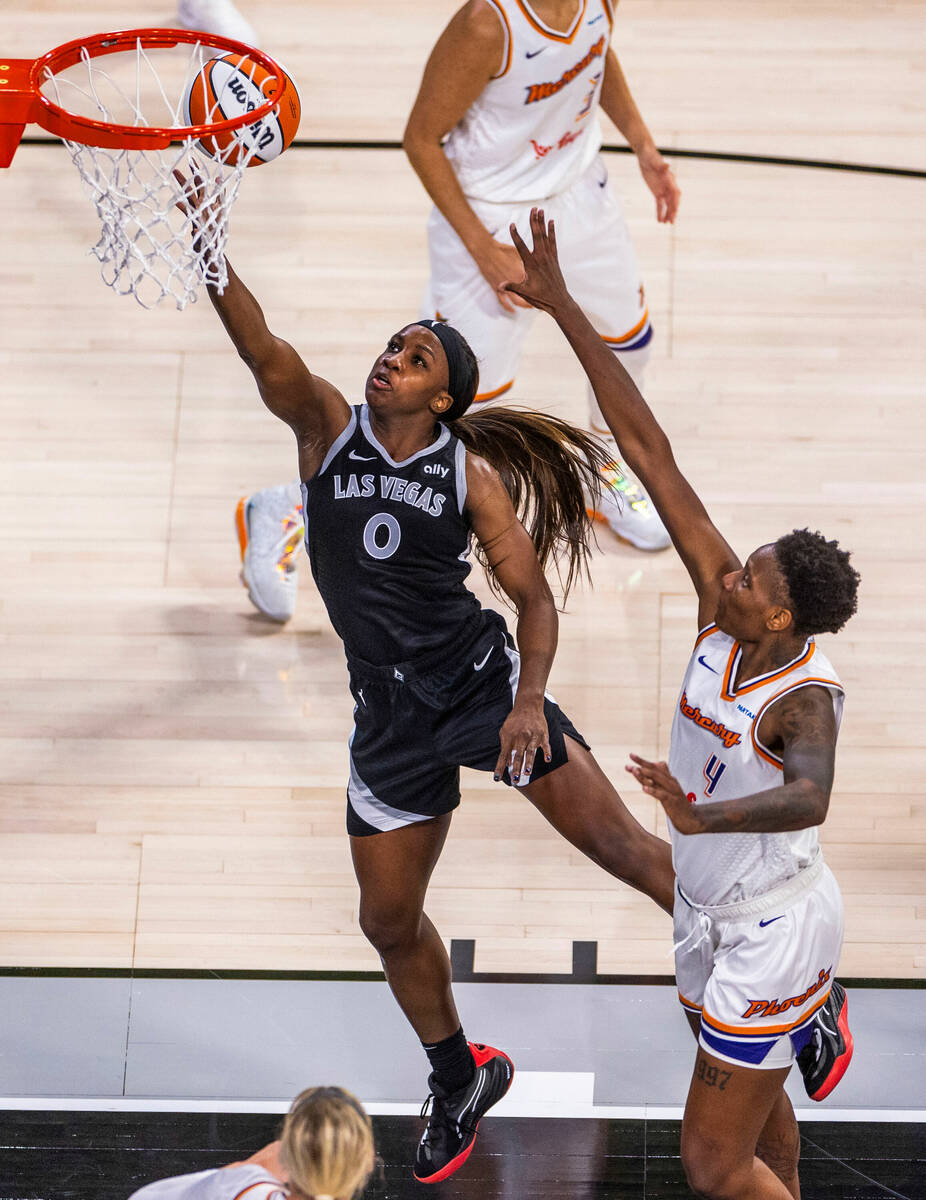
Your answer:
<point x="703" y="931"/>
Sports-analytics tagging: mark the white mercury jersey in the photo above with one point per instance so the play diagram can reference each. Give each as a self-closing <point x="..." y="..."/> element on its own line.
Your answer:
<point x="715" y="754"/>
<point x="534" y="129"/>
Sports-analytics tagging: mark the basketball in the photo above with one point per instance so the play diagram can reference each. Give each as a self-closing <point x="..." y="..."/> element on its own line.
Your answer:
<point x="229" y="85"/>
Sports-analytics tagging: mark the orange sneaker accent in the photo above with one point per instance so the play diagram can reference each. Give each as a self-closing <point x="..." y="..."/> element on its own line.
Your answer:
<point x="241" y="525"/>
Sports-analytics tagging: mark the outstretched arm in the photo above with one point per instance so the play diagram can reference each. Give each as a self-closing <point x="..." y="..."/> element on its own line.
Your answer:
<point x="643" y="445"/>
<point x="513" y="559"/>
<point x="313" y="408"/>
<point x="801" y="728"/>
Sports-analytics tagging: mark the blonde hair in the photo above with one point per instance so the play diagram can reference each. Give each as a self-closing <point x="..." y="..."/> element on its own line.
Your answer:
<point x="327" y="1144"/>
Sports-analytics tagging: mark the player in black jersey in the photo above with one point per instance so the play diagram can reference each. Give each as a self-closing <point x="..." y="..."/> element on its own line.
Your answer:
<point x="393" y="491"/>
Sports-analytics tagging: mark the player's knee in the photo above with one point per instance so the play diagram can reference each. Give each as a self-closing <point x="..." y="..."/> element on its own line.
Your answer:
<point x="710" y="1175"/>
<point x="389" y="927"/>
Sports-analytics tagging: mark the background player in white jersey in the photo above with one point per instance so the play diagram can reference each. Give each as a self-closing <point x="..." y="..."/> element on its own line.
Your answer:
<point x="515" y="89"/>
<point x="325" y="1149"/>
<point x="758" y="916"/>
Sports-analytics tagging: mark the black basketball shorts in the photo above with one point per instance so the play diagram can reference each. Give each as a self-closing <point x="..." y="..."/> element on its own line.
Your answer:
<point x="412" y="734"/>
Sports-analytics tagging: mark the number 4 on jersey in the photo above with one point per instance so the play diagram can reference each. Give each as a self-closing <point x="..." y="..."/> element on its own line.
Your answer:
<point x="713" y="769"/>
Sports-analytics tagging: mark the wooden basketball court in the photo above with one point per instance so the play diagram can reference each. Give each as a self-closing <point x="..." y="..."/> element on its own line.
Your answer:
<point x="172" y="767"/>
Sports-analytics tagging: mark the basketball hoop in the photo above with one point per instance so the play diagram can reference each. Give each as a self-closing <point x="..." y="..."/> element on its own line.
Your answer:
<point x="162" y="197"/>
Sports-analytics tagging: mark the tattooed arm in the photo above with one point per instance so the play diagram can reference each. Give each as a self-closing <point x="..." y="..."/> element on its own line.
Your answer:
<point x="801" y="729"/>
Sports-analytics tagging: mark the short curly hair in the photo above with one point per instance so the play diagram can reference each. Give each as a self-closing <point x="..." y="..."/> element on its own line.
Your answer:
<point x="822" y="586"/>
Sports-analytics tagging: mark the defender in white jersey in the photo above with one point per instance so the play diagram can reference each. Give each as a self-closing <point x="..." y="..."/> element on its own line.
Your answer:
<point x="758" y="915"/>
<point x="325" y="1150"/>
<point x="507" y="117"/>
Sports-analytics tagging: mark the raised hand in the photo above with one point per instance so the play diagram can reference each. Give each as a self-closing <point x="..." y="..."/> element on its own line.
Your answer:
<point x="543" y="285"/>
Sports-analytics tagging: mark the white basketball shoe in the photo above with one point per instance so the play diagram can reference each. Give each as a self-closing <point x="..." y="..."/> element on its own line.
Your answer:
<point x="270" y="528"/>
<point x="216" y="16"/>
<point x="627" y="509"/>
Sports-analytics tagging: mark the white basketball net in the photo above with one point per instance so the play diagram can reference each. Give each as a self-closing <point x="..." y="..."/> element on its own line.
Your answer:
<point x="163" y="213"/>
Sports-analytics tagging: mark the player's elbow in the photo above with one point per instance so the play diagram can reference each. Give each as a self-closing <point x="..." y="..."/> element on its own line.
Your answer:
<point x="415" y="142"/>
<point x="815" y="802"/>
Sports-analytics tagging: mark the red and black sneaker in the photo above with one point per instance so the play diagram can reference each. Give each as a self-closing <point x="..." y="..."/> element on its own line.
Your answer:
<point x="454" y="1118"/>
<point x="824" y="1059"/>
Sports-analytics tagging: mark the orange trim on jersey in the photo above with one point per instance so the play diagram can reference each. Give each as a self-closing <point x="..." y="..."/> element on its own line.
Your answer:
<point x="689" y="1003"/>
<point x="727" y="693"/>
<point x="483" y="396"/>
<point x="609" y="11"/>
<point x="552" y="34"/>
<point x="810" y="681"/>
<point x="705" y="633"/>
<point x="625" y="337"/>
<point x="764" y="1030"/>
<point x="504" y="18"/>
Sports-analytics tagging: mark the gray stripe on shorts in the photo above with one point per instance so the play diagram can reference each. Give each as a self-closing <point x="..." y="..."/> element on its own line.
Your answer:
<point x="375" y="812"/>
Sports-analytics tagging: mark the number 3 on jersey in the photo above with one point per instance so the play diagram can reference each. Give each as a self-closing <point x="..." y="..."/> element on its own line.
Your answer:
<point x="713" y="769"/>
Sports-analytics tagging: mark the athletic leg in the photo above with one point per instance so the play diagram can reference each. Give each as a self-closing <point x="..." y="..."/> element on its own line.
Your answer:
<point x="393" y="870"/>
<point x="580" y="803"/>
<point x="727" y="1111"/>
<point x="779" y="1142"/>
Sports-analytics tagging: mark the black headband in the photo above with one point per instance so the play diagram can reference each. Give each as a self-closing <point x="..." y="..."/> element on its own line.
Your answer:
<point x="459" y="370"/>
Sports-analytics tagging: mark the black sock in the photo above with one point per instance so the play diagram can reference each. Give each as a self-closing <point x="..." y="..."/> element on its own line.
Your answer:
<point x="451" y="1061"/>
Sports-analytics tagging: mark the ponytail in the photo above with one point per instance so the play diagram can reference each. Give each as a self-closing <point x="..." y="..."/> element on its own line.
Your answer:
<point x="552" y="472"/>
<point x="327" y="1145"/>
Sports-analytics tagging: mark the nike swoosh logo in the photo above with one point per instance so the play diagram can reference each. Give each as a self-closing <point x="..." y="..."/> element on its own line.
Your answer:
<point x="600" y="17"/>
<point x="534" y="53"/>
<point x="479" y="666"/>
<point x="704" y="664"/>
<point x="361" y="457"/>
<point x="823" y="1025"/>
<point x="762" y="924"/>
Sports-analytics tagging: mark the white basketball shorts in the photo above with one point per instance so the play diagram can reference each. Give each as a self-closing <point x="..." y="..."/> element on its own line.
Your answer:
<point x="598" y="263"/>
<point x="757" y="982"/>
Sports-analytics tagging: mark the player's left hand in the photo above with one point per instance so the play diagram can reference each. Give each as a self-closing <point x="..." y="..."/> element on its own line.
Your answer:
<point x="661" y="182"/>
<point x="657" y="780"/>
<point x="523" y="735"/>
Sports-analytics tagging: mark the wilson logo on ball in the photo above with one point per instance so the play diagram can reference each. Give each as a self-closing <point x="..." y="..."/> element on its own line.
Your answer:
<point x="228" y="86"/>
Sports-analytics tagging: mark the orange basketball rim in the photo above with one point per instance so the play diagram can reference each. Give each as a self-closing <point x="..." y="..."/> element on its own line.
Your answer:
<point x="22" y="101"/>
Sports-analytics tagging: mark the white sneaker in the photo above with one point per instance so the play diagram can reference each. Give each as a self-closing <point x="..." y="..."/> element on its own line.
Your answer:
<point x="216" y="16"/>
<point x="627" y="509"/>
<point x="270" y="530"/>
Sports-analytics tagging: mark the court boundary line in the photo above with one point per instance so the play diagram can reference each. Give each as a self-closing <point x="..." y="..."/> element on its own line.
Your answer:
<point x="731" y="156"/>
<point x="604" y="980"/>
<point x="384" y="1108"/>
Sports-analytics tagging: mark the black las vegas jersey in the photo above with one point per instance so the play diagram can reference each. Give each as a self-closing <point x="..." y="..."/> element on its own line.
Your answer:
<point x="388" y="545"/>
